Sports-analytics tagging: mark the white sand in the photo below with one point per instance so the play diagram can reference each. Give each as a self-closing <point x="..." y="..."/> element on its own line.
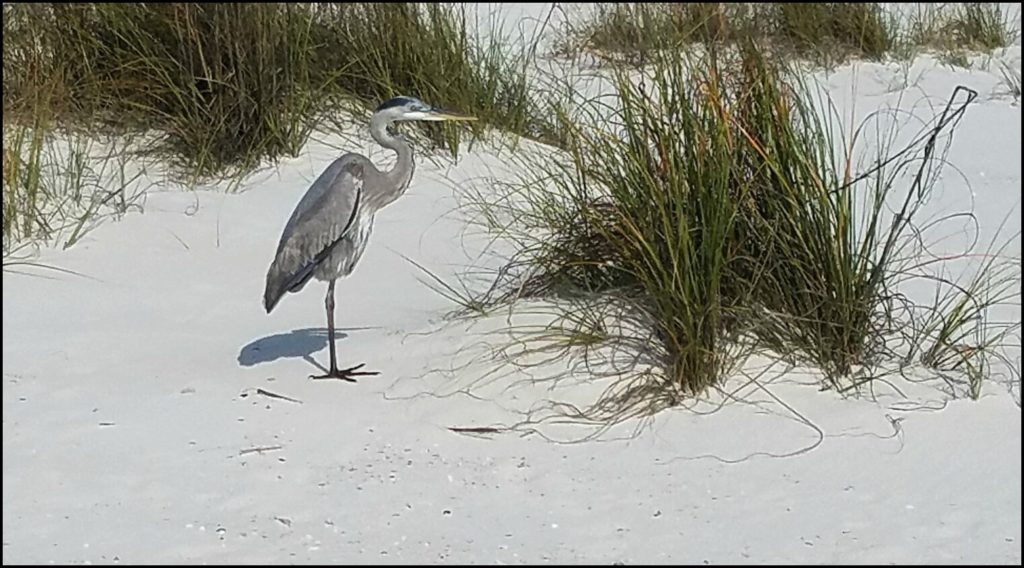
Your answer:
<point x="129" y="406"/>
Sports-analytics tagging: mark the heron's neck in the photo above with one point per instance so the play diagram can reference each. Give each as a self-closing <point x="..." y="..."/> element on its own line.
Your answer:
<point x="398" y="177"/>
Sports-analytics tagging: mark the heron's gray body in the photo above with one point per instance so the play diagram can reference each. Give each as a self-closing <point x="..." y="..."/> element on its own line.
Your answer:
<point x="344" y="256"/>
<point x="327" y="233"/>
<point x="330" y="227"/>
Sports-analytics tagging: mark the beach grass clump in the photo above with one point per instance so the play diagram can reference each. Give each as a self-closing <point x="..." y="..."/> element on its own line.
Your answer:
<point x="58" y="183"/>
<point x="712" y="204"/>
<point x="218" y="89"/>
<point x="825" y="33"/>
<point x="961" y="27"/>
<point x="228" y="85"/>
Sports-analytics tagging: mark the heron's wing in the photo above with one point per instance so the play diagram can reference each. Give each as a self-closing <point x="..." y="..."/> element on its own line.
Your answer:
<point x="324" y="216"/>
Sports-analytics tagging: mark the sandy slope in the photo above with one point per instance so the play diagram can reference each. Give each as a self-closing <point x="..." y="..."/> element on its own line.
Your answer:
<point x="130" y="408"/>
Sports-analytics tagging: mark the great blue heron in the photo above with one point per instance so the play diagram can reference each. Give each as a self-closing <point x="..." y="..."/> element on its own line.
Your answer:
<point x="329" y="229"/>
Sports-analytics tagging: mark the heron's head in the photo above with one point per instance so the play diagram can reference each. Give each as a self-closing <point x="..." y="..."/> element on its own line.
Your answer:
<point x="411" y="108"/>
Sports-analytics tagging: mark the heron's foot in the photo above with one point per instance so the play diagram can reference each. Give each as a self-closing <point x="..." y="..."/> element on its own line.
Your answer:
<point x="345" y="374"/>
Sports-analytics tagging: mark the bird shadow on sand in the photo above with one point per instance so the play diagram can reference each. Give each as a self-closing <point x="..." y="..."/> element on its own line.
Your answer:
<point x="298" y="343"/>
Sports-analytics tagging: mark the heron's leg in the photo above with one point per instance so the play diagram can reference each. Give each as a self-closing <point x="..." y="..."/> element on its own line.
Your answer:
<point x="329" y="304"/>
<point x="334" y="373"/>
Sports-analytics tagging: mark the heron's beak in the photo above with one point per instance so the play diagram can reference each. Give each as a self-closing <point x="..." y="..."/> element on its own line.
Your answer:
<point x="442" y="114"/>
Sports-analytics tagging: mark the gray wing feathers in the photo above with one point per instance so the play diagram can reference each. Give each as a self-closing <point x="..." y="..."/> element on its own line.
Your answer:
<point x="322" y="218"/>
